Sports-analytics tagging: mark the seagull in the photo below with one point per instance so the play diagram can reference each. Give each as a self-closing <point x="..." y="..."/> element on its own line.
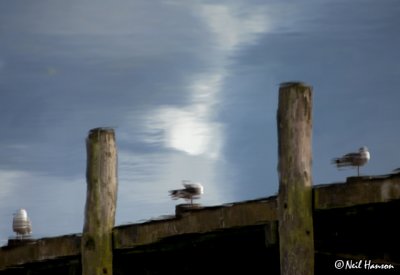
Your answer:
<point x="190" y="192"/>
<point x="21" y="223"/>
<point x="353" y="159"/>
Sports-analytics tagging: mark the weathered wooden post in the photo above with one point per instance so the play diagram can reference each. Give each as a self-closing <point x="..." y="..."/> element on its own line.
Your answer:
<point x="101" y="176"/>
<point x="296" y="234"/>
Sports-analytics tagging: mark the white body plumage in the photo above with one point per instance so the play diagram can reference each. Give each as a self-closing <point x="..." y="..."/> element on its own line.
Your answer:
<point x="21" y="223"/>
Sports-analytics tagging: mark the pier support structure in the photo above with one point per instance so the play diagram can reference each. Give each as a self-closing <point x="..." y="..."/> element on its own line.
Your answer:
<point x="296" y="236"/>
<point x="101" y="176"/>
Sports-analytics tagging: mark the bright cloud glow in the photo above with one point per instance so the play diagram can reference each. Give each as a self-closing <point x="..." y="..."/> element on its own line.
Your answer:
<point x="188" y="130"/>
<point x="192" y="129"/>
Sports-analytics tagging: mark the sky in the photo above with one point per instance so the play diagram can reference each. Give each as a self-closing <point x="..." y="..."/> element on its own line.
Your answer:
<point x="191" y="89"/>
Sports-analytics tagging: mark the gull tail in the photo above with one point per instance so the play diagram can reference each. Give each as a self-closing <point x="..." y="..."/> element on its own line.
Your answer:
<point x="176" y="194"/>
<point x="341" y="162"/>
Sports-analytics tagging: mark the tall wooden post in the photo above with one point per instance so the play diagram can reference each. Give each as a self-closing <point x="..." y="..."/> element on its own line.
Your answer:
<point x="296" y="234"/>
<point x="101" y="176"/>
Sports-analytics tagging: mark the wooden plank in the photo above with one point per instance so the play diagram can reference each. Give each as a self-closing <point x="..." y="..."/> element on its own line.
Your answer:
<point x="39" y="250"/>
<point x="202" y="220"/>
<point x="366" y="190"/>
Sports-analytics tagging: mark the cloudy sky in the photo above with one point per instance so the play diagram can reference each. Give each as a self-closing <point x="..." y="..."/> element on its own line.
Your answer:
<point x="191" y="89"/>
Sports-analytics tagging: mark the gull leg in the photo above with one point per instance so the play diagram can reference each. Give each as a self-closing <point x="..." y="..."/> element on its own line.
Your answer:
<point x="358" y="170"/>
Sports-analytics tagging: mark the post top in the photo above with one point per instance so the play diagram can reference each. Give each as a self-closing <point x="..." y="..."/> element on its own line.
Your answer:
<point x="293" y="83"/>
<point x="101" y="129"/>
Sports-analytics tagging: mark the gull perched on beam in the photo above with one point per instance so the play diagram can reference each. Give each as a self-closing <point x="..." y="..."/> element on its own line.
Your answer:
<point x="21" y="224"/>
<point x="353" y="159"/>
<point x="190" y="192"/>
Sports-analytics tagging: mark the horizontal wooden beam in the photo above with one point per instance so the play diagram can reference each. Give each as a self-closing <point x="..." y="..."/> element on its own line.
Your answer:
<point x="201" y="220"/>
<point x="40" y="250"/>
<point x="356" y="192"/>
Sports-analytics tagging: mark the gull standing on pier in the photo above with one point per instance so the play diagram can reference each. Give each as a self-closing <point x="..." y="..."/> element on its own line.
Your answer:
<point x="353" y="159"/>
<point x="21" y="223"/>
<point x="190" y="192"/>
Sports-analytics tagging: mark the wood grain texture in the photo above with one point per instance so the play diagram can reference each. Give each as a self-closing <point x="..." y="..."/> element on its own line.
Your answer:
<point x="101" y="175"/>
<point x="295" y="179"/>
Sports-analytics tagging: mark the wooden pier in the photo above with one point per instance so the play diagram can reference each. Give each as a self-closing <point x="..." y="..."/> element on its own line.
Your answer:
<point x="355" y="220"/>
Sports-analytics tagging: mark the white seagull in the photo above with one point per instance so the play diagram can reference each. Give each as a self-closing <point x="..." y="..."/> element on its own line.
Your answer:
<point x="190" y="192"/>
<point x="353" y="159"/>
<point x="21" y="223"/>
